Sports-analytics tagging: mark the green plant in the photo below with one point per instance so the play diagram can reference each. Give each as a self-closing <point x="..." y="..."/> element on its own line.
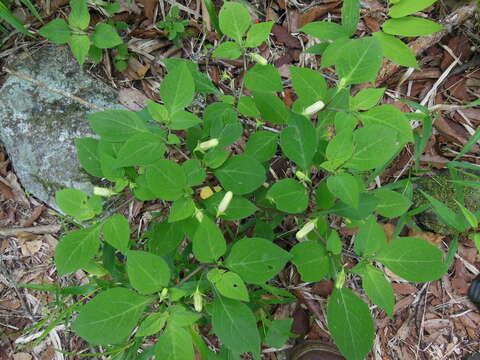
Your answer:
<point x="173" y="26"/>
<point x="7" y="16"/>
<point x="222" y="276"/>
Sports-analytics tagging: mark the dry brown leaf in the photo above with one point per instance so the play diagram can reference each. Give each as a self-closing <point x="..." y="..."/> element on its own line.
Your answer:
<point x="22" y="356"/>
<point x="149" y="9"/>
<point x="284" y="37"/>
<point x="432" y="238"/>
<point x="315" y="13"/>
<point x="389" y="229"/>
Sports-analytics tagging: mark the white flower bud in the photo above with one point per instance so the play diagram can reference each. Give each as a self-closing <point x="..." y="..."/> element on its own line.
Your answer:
<point x="306" y="229"/>
<point x="223" y="206"/>
<point x="259" y="59"/>
<point x="199" y="215"/>
<point x="314" y="108"/>
<point x="206" y="145"/>
<point x="197" y="300"/>
<point x="104" y="192"/>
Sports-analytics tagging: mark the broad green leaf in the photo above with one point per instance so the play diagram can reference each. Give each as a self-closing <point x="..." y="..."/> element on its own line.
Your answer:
<point x="374" y="146"/>
<point x="227" y="134"/>
<point x="289" y="196"/>
<point x="325" y="30"/>
<point x="177" y="88"/>
<point x="194" y="172"/>
<point x="271" y="108"/>
<point x="235" y="325"/>
<point x="87" y="153"/>
<point x="391" y="203"/>
<point x="148" y="273"/>
<point x="175" y="344"/>
<point x="241" y="174"/>
<point x="228" y="284"/>
<point x="366" y="206"/>
<point x="158" y="112"/>
<point x="359" y="60"/>
<point x="152" y="324"/>
<point x="79" y="16"/>
<point x="218" y="112"/>
<point x="410" y="26"/>
<point x="389" y="116"/>
<point x="234" y="20"/>
<point x="56" y="31"/>
<point x="246" y="106"/>
<point x="309" y="84"/>
<point x="75" y="249"/>
<point x="334" y="243"/>
<point x="413" y="259"/>
<point x="311" y="260"/>
<point x="469" y="215"/>
<point x="165" y="237"/>
<point x="179" y="316"/>
<point x="278" y="333"/>
<point x="332" y="52"/>
<point x="344" y="121"/>
<point x="141" y="150"/>
<point x="111" y="316"/>
<point x="340" y="148"/>
<point x="116" y="232"/>
<point x="80" y="46"/>
<point x="370" y="238"/>
<point x="350" y="324"/>
<point x="345" y="187"/>
<point x="378" y="288"/>
<point x="75" y="203"/>
<point x="396" y="50"/>
<point x="228" y="50"/>
<point x="350" y="16"/>
<point x="265" y="78"/>
<point x="256" y="260"/>
<point x="262" y="145"/>
<point x="182" y="120"/>
<point x="181" y="209"/>
<point x="408" y="7"/>
<point x="116" y="125"/>
<point x="238" y="209"/>
<point x="105" y="36"/>
<point x="323" y="197"/>
<point x="216" y="158"/>
<point x="166" y="179"/>
<point x="366" y="99"/>
<point x="258" y="33"/>
<point x="299" y="141"/>
<point x="208" y="241"/>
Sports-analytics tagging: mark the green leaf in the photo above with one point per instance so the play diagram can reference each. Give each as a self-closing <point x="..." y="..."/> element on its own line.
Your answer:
<point x="7" y="16"/>
<point x="75" y="203"/>
<point x="378" y="288"/>
<point x="410" y="26"/>
<point x="371" y="237"/>
<point x="147" y="273"/>
<point x="116" y="125"/>
<point x="239" y="208"/>
<point x="391" y="203"/>
<point x="334" y="243"/>
<point x="264" y="78"/>
<point x="350" y="324"/>
<point x="194" y="172"/>
<point x="246" y="106"/>
<point x="177" y="88"/>
<point x="311" y="260"/>
<point x="299" y="141"/>
<point x="374" y="146"/>
<point x="256" y="260"/>
<point x="234" y="20"/>
<point x="208" y="241"/>
<point x="262" y="145"/>
<point x="325" y="30"/>
<point x="227" y="134"/>
<point x="359" y="60"/>
<point x="141" y="150"/>
<point x="152" y="324"/>
<point x="228" y="50"/>
<point x="235" y="325"/>
<point x="105" y="36"/>
<point x="216" y="158"/>
<point x="110" y="317"/>
<point x="271" y="108"/>
<point x="182" y="120"/>
<point x="56" y="31"/>
<point x="340" y="148"/>
<point x="396" y="50"/>
<point x="228" y="284"/>
<point x="258" y="33"/>
<point x="470" y="216"/>
<point x="345" y="187"/>
<point x="408" y="7"/>
<point x="332" y="52"/>
<point x="323" y="197"/>
<point x="350" y="16"/>
<point x="181" y="209"/>
<point x="87" y="153"/>
<point x="413" y="259"/>
<point x="309" y="84"/>
<point x="366" y="99"/>
<point x="241" y="174"/>
<point x="166" y="179"/>
<point x="389" y="116"/>
<point x="289" y="196"/>
<point x="278" y="333"/>
<point x="75" y="249"/>
<point x="179" y="316"/>
<point x="175" y="344"/>
<point x="158" y="112"/>
<point x="116" y="232"/>
<point x="79" y="16"/>
<point x="80" y="46"/>
<point x="165" y="237"/>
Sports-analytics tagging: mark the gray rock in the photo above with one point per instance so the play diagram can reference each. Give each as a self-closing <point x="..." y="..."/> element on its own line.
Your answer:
<point x="38" y="125"/>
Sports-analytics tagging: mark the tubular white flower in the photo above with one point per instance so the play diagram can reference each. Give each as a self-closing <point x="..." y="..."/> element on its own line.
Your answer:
<point x="197" y="301"/>
<point x="314" y="108"/>
<point x="204" y="146"/>
<point x="223" y="206"/>
<point x="101" y="191"/>
<point x="259" y="59"/>
<point x="306" y="229"/>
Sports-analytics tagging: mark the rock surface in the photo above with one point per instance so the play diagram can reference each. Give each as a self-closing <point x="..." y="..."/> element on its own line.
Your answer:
<point x="38" y="125"/>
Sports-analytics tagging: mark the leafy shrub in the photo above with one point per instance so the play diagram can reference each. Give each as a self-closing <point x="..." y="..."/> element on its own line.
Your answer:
<point x="164" y="286"/>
